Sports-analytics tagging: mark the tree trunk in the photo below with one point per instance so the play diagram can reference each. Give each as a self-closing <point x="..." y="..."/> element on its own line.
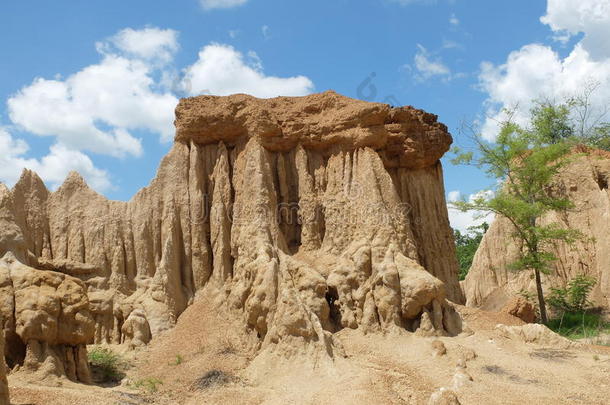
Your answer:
<point x="541" y="303"/>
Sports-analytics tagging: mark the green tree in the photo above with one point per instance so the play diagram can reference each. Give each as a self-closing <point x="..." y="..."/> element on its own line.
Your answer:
<point x="524" y="161"/>
<point x="576" y="119"/>
<point x="466" y="245"/>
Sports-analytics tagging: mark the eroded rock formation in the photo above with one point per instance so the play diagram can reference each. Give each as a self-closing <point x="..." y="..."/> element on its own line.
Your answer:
<point x="307" y="214"/>
<point x="490" y="283"/>
<point x="47" y="321"/>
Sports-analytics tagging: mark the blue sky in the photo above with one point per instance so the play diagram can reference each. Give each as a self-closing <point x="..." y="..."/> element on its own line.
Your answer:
<point x="91" y="86"/>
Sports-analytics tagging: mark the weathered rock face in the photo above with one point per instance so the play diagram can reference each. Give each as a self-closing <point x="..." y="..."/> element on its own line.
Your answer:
<point x="585" y="182"/>
<point x="46" y="320"/>
<point x="521" y="308"/>
<point x="308" y="214"/>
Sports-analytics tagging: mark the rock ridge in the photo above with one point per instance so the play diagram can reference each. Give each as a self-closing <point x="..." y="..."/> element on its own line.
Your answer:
<point x="326" y="122"/>
<point x="306" y="215"/>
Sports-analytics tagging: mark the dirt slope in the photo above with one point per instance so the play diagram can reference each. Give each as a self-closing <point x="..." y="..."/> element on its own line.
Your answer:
<point x="401" y="368"/>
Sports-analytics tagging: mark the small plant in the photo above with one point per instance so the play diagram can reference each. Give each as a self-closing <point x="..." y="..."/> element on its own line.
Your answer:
<point x="106" y="364"/>
<point x="179" y="359"/>
<point x="575" y="297"/>
<point x="150" y="384"/>
<point x="227" y="346"/>
<point x="573" y="303"/>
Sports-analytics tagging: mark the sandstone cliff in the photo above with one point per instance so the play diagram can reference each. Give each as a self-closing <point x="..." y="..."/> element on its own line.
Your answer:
<point x="585" y="182"/>
<point x="307" y="215"/>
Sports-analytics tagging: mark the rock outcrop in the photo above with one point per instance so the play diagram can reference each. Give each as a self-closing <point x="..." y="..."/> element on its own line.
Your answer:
<point x="490" y="283"/>
<point x="46" y="320"/>
<point x="521" y="308"/>
<point x="536" y="334"/>
<point x="307" y="215"/>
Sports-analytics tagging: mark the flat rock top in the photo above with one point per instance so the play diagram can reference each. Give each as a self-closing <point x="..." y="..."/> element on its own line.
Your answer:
<point x="404" y="136"/>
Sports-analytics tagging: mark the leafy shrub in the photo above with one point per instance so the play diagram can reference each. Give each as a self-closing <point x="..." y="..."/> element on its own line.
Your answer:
<point x="573" y="303"/>
<point x="575" y="297"/>
<point x="106" y="364"/>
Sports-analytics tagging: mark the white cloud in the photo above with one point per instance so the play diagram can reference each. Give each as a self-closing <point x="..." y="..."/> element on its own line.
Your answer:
<point x="132" y="88"/>
<point x="96" y="108"/>
<point x="212" y="4"/>
<point x="222" y="70"/>
<point x="451" y="44"/>
<point x="427" y="66"/>
<point x="592" y="17"/>
<point x="52" y="168"/>
<point x="453" y="20"/>
<point x="150" y="43"/>
<point x="536" y="71"/>
<point x="265" y="31"/>
<point x="463" y="220"/>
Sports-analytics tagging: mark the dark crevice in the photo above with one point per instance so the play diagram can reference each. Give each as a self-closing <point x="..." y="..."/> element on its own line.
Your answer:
<point x="231" y="157"/>
<point x="134" y="257"/>
<point x="287" y="199"/>
<point x="321" y="218"/>
<point x="14" y="351"/>
<point x="14" y="347"/>
<point x="332" y="298"/>
<point x="183" y="259"/>
<point x="602" y="181"/>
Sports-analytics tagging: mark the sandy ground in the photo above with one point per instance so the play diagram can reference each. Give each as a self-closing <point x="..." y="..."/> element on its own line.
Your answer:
<point x="377" y="369"/>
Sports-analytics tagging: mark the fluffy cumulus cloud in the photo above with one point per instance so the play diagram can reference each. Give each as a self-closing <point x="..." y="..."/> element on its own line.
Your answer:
<point x="222" y="70"/>
<point x="53" y="168"/>
<point x="96" y="108"/>
<point x="212" y="4"/>
<point x="106" y="107"/>
<point x="536" y="71"/>
<point x="463" y="220"/>
<point x="152" y="44"/>
<point x="428" y="66"/>
<point x="592" y="17"/>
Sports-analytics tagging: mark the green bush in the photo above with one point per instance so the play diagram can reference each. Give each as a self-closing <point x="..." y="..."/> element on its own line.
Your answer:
<point x="575" y="297"/>
<point x="105" y="364"/>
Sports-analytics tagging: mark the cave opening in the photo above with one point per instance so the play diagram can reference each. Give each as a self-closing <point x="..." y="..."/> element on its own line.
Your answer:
<point x="14" y="350"/>
<point x="332" y="298"/>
